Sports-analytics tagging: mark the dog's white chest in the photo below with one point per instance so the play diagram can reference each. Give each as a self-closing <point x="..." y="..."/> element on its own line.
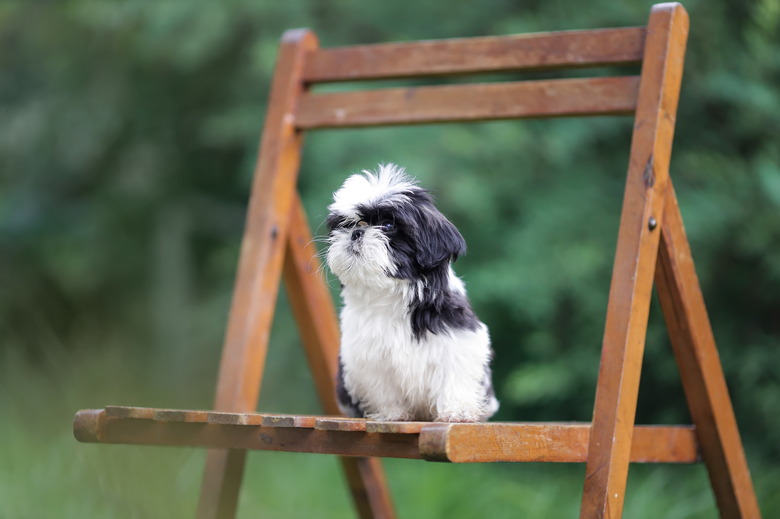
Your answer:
<point x="398" y="377"/>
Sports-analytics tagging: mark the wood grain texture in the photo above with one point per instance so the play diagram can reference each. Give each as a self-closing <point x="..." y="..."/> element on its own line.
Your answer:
<point x="87" y="426"/>
<point x="235" y="418"/>
<point x="396" y="427"/>
<point x="259" y="270"/>
<point x="455" y="442"/>
<point x="181" y="415"/>
<point x="118" y="411"/>
<point x="94" y="425"/>
<point x="289" y="420"/>
<point x="368" y="484"/>
<point x="312" y="307"/>
<point x="548" y="442"/>
<point x="315" y="315"/>
<point x="470" y="102"/>
<point x="569" y="49"/>
<point x="700" y="368"/>
<point x="635" y="261"/>
<point x="267" y="223"/>
<point x="340" y="424"/>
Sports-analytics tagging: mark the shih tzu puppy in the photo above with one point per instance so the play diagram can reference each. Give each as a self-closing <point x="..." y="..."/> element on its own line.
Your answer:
<point x="411" y="346"/>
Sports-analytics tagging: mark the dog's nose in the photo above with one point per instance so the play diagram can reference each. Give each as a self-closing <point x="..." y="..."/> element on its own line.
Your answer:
<point x="357" y="233"/>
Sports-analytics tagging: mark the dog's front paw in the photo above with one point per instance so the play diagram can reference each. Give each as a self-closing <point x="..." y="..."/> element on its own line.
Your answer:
<point x="390" y="415"/>
<point x="458" y="417"/>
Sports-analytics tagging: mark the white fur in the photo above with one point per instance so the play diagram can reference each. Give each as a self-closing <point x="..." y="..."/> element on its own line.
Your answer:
<point x="397" y="377"/>
<point x="389" y="180"/>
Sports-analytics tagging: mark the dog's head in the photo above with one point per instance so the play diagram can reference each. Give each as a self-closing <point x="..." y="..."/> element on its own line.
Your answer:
<point x="382" y="225"/>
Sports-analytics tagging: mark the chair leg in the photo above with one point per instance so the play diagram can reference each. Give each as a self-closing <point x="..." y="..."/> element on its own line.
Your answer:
<point x="635" y="263"/>
<point x="316" y="316"/>
<point x="700" y="369"/>
<point x="621" y="363"/>
<point x="259" y="270"/>
<point x="221" y="484"/>
<point x="367" y="483"/>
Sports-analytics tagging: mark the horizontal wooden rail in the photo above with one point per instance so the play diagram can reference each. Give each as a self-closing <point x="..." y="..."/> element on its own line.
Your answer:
<point x="550" y="442"/>
<point x="95" y="426"/>
<point x="567" y="49"/>
<point x="459" y="443"/>
<point x="470" y="102"/>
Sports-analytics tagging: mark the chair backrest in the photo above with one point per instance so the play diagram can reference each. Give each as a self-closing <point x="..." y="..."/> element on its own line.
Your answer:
<point x="470" y="102"/>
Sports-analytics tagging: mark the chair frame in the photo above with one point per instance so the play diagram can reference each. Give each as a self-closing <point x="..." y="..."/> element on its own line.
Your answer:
<point x="652" y="249"/>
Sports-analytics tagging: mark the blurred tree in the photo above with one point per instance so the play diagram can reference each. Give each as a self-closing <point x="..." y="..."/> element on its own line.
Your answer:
<point x="129" y="133"/>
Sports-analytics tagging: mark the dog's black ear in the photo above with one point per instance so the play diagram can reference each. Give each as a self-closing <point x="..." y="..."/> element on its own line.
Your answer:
<point x="334" y="220"/>
<point x="438" y="241"/>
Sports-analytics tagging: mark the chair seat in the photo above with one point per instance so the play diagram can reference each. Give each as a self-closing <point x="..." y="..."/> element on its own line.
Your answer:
<point x="432" y="441"/>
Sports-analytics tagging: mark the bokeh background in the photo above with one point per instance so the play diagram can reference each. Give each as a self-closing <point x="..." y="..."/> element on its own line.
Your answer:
<point x="128" y="135"/>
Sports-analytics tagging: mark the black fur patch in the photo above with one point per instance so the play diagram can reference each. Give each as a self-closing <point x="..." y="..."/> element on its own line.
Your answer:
<point x="344" y="398"/>
<point x="487" y="382"/>
<point x="334" y="220"/>
<point x="423" y="244"/>
<point x="440" y="309"/>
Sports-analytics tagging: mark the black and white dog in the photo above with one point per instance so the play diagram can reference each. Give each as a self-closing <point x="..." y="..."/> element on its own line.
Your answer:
<point x="411" y="346"/>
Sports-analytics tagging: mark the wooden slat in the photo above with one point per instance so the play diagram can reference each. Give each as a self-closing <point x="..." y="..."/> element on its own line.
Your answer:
<point x="289" y="420"/>
<point x="88" y="425"/>
<point x="460" y="443"/>
<point x="545" y="442"/>
<point x="181" y="415"/>
<point x="340" y="424"/>
<point x="700" y="369"/>
<point x="396" y="427"/>
<point x="236" y="418"/>
<point x="118" y="411"/>
<point x="628" y="308"/>
<point x="94" y="426"/>
<point x="549" y="442"/>
<point x="470" y="102"/>
<point x="477" y="55"/>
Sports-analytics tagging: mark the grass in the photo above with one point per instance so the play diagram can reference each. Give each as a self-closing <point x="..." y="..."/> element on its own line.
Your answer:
<point x="45" y="473"/>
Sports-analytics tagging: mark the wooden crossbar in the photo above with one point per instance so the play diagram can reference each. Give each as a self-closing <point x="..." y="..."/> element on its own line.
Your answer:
<point x="485" y="101"/>
<point x="567" y="49"/>
<point x="457" y="443"/>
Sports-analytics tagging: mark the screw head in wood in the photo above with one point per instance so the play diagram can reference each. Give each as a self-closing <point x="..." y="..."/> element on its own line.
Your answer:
<point x="652" y="223"/>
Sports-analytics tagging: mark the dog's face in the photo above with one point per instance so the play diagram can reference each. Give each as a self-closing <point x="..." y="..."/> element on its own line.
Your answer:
<point x="382" y="225"/>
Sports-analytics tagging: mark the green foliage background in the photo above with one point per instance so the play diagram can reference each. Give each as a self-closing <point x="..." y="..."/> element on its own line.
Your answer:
<point x="128" y="135"/>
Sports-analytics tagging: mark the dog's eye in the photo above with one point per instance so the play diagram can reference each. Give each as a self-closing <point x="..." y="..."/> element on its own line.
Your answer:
<point x="387" y="226"/>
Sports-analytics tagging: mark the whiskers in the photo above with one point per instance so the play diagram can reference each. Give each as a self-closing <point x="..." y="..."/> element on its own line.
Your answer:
<point x="320" y="259"/>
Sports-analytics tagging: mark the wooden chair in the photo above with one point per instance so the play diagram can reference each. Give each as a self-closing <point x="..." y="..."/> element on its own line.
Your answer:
<point x="652" y="247"/>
